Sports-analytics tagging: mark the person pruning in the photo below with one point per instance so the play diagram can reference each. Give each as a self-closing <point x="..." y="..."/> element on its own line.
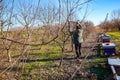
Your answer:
<point x="77" y="38"/>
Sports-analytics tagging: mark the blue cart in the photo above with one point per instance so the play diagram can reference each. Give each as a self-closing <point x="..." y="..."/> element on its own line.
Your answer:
<point x="108" y="48"/>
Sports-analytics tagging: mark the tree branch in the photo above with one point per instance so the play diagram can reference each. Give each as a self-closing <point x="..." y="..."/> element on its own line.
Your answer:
<point x="21" y="43"/>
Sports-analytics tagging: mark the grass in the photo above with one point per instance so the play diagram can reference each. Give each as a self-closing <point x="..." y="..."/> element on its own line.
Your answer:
<point x="115" y="38"/>
<point x="42" y="58"/>
<point x="99" y="67"/>
<point x="115" y="35"/>
<point x="46" y="54"/>
<point x="40" y="64"/>
<point x="44" y="63"/>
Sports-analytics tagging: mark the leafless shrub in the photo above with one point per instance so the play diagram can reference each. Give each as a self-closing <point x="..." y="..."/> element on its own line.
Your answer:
<point x="114" y="23"/>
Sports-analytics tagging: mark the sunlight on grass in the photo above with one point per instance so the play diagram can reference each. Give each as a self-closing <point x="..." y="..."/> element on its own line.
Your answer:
<point x="100" y="59"/>
<point x="50" y="47"/>
<point x="114" y="34"/>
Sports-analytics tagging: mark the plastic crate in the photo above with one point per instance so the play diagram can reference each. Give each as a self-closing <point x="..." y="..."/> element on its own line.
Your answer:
<point x="105" y="38"/>
<point x="108" y="48"/>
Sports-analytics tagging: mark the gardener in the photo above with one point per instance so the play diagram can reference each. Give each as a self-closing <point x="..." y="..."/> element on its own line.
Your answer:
<point x="77" y="38"/>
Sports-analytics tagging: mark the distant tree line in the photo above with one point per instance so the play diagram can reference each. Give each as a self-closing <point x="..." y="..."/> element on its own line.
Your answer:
<point x="114" y="23"/>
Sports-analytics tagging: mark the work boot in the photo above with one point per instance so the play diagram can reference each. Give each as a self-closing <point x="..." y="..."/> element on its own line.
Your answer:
<point x="79" y="60"/>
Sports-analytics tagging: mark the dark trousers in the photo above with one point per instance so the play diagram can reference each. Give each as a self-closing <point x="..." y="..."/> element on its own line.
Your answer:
<point x="78" y="50"/>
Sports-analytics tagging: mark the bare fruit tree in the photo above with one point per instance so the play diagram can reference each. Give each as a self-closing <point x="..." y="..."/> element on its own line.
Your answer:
<point x="39" y="25"/>
<point x="67" y="11"/>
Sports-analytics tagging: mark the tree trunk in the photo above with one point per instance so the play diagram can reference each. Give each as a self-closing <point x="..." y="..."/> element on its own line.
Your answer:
<point x="61" y="59"/>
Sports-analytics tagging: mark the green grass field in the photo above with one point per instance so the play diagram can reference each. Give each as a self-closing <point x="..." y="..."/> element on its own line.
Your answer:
<point x="114" y="35"/>
<point x="115" y="38"/>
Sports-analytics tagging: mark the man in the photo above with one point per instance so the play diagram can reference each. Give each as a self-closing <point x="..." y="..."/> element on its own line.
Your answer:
<point x="77" y="38"/>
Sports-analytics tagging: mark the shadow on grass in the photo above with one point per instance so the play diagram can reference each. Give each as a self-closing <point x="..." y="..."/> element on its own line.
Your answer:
<point x="11" y="69"/>
<point x="101" y="71"/>
<point x="44" y="60"/>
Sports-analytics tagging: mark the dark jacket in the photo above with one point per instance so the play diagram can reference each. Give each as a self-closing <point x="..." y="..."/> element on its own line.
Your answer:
<point x="77" y="36"/>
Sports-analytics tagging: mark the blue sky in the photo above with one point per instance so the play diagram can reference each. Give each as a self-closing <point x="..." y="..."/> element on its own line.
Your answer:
<point x="100" y="8"/>
<point x="97" y="9"/>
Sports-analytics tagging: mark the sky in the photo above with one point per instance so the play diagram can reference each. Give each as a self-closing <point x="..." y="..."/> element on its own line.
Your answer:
<point x="100" y="8"/>
<point x="97" y="9"/>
